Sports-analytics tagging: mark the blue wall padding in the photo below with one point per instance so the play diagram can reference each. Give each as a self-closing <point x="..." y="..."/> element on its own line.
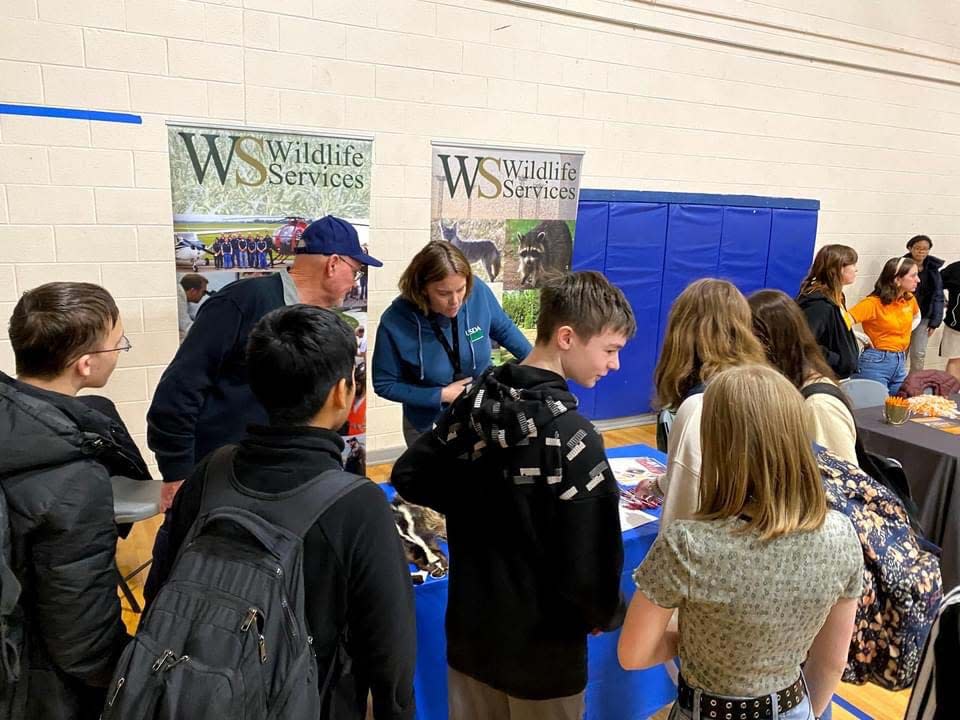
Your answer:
<point x="692" y="251"/>
<point x="636" y="242"/>
<point x="589" y="250"/>
<point x="792" y="237"/>
<point x="652" y="245"/>
<point x="590" y="238"/>
<point x="743" y="247"/>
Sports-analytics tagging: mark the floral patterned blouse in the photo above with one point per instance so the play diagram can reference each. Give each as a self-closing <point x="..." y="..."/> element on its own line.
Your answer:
<point x="749" y="609"/>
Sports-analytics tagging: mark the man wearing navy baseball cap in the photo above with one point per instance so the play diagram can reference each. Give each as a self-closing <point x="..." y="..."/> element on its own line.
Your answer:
<point x="328" y="262"/>
<point x="203" y="401"/>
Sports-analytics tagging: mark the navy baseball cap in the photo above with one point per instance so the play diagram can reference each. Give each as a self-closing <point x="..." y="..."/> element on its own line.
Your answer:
<point x="332" y="236"/>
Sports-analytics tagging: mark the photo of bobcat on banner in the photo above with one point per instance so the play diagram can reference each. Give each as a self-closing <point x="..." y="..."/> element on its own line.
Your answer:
<point x="241" y="200"/>
<point x="512" y="212"/>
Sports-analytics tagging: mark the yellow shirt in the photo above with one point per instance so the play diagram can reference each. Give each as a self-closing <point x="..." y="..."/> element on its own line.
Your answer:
<point x="847" y="318"/>
<point x="887" y="326"/>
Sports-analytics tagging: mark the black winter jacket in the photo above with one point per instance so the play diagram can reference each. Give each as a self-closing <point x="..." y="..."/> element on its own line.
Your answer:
<point x="951" y="282"/>
<point x="533" y="527"/>
<point x="57" y="454"/>
<point x="203" y="400"/>
<point x="836" y="340"/>
<point x="355" y="572"/>
<point x="930" y="291"/>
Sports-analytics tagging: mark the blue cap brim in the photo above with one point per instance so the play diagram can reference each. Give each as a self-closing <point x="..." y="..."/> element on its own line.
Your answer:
<point x="367" y="259"/>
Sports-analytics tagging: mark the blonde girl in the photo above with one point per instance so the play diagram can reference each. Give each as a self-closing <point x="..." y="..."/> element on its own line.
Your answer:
<point x="709" y="330"/>
<point x="765" y="578"/>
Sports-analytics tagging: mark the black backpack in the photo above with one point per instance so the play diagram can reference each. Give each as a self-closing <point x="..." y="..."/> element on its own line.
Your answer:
<point x="12" y="693"/>
<point x="226" y="636"/>
<point x="886" y="472"/>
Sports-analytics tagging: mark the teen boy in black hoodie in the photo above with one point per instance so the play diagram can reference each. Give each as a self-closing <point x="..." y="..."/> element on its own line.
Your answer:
<point x="300" y="363"/>
<point x="532" y="518"/>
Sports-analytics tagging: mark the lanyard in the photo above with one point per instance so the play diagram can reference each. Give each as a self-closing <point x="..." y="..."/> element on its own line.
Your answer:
<point x="452" y="352"/>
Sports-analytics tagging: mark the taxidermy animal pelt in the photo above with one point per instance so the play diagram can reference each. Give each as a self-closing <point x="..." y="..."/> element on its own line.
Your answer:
<point x="419" y="529"/>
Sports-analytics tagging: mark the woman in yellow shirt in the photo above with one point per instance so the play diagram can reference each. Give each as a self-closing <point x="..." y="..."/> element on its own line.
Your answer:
<point x="888" y="316"/>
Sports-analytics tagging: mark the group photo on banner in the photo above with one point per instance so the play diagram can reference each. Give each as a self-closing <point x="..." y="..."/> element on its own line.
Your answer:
<point x="242" y="199"/>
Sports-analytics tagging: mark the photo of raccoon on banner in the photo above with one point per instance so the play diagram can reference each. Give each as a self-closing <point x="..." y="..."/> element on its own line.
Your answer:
<point x="241" y="200"/>
<point x="512" y="212"/>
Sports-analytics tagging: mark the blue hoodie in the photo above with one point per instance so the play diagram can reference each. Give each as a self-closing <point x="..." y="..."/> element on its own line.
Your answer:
<point x="411" y="367"/>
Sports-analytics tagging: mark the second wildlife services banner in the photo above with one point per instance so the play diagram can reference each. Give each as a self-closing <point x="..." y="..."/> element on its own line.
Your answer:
<point x="241" y="199"/>
<point x="513" y="214"/>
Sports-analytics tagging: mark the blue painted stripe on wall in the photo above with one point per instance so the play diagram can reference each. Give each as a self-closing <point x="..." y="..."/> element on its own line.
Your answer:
<point x="69" y="113"/>
<point x="595" y="195"/>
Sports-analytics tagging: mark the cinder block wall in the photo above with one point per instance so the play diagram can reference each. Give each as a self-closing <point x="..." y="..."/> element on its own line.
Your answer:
<point x="856" y="104"/>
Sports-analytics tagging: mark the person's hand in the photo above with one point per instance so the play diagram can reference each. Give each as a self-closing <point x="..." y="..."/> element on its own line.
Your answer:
<point x="648" y="486"/>
<point x="452" y="391"/>
<point x="167" y="493"/>
<point x="930" y="331"/>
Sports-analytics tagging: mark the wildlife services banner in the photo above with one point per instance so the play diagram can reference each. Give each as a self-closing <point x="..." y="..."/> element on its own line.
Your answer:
<point x="241" y="199"/>
<point x="512" y="212"/>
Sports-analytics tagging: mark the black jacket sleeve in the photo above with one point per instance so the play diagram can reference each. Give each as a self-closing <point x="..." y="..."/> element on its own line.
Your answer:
<point x="380" y="614"/>
<point x="950" y="278"/>
<point x="589" y="553"/>
<point x="73" y="551"/>
<point x="183" y="388"/>
<point x="936" y="300"/>
<point x="423" y="474"/>
<point x="820" y="316"/>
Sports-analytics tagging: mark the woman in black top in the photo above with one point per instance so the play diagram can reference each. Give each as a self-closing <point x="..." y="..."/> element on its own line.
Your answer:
<point x="929" y="297"/>
<point x="822" y="301"/>
<point x="950" y="343"/>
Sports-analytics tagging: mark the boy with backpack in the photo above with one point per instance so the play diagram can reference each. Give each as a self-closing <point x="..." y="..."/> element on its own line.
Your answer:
<point x="532" y="513"/>
<point x="59" y="610"/>
<point x="284" y="588"/>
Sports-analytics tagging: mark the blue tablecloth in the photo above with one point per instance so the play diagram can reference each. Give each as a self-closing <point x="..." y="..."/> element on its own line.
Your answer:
<point x="612" y="693"/>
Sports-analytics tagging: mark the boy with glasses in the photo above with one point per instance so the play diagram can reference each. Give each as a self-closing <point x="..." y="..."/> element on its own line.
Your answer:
<point x="58" y="452"/>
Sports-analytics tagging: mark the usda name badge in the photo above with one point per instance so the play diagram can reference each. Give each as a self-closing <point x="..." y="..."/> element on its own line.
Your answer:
<point x="475" y="333"/>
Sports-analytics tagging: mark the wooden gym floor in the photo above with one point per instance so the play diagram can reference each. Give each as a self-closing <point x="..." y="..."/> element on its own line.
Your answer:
<point x="866" y="702"/>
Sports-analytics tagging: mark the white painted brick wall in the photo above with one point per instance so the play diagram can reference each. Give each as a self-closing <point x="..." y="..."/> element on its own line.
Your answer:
<point x="654" y="111"/>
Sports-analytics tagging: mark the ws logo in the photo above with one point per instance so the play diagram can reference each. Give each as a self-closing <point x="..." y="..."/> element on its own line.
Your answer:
<point x="241" y="146"/>
<point x="481" y="165"/>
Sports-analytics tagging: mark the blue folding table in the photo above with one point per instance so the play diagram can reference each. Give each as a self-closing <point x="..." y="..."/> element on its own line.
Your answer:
<point x="612" y="693"/>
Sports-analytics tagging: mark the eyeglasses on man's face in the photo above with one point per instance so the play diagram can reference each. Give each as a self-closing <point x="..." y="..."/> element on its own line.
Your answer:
<point x="357" y="269"/>
<point x="122" y="346"/>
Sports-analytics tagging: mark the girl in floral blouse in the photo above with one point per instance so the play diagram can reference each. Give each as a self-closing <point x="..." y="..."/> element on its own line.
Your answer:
<point x="764" y="576"/>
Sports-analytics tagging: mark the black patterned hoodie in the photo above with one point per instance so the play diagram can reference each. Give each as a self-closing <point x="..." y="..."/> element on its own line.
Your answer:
<point x="532" y="520"/>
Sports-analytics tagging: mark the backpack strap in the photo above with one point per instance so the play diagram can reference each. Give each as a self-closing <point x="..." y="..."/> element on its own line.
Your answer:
<point x="826" y="388"/>
<point x="666" y="416"/>
<point x="697" y="389"/>
<point x="295" y="510"/>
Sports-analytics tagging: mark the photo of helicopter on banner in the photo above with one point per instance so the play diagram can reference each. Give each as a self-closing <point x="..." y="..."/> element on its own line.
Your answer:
<point x="513" y="213"/>
<point x="241" y="200"/>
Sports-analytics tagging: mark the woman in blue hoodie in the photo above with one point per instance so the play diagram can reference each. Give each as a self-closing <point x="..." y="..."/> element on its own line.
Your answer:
<point x="435" y="338"/>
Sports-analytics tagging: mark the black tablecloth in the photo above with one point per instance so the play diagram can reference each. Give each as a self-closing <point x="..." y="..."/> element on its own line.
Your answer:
<point x="931" y="461"/>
